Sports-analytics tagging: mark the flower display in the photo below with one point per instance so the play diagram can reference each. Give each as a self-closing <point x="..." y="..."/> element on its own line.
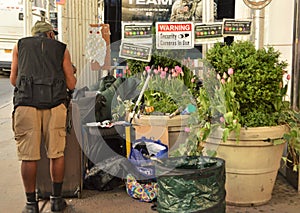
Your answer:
<point x="248" y="91"/>
<point x="246" y="87"/>
<point x="166" y="91"/>
<point x="173" y="83"/>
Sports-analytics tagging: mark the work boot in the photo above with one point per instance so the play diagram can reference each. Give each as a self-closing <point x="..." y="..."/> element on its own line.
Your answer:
<point x="31" y="207"/>
<point x="58" y="204"/>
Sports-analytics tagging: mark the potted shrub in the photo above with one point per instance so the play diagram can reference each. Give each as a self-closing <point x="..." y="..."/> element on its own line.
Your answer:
<point x="247" y="120"/>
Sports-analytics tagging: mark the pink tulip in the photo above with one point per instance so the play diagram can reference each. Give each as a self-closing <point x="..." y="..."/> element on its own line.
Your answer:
<point x="222" y="119"/>
<point x="230" y="71"/>
<point x="223" y="81"/>
<point x="163" y="74"/>
<point x="178" y="69"/>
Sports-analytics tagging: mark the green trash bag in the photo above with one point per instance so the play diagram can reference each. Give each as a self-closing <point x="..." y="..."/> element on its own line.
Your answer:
<point x="191" y="184"/>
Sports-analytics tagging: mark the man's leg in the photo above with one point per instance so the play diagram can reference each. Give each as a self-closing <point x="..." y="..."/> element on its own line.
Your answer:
<point x="28" y="172"/>
<point x="54" y="124"/>
<point x="26" y="126"/>
<point x="57" y="169"/>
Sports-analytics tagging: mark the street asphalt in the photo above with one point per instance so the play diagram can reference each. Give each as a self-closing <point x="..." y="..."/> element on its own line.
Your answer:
<point x="285" y="198"/>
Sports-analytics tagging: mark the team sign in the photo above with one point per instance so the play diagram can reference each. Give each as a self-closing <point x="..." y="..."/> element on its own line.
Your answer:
<point x="174" y="35"/>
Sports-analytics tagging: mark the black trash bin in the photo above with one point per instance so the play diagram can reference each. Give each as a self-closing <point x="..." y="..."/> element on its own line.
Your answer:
<point x="191" y="184"/>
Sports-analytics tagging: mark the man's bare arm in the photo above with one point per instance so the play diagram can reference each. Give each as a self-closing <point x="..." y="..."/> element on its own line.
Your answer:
<point x="14" y="66"/>
<point x="69" y="71"/>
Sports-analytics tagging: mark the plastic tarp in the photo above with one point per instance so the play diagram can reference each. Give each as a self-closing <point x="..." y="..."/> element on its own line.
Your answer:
<point x="191" y="184"/>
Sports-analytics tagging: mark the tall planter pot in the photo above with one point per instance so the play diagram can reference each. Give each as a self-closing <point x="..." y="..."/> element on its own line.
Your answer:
<point x="252" y="163"/>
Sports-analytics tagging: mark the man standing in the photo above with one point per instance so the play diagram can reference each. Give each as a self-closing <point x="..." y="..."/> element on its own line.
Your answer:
<point x="41" y="72"/>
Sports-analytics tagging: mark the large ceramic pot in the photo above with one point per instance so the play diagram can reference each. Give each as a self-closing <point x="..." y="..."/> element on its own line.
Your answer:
<point x="252" y="163"/>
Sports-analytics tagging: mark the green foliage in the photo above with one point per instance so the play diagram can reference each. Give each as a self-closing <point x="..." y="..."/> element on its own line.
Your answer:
<point x="244" y="88"/>
<point x="257" y="79"/>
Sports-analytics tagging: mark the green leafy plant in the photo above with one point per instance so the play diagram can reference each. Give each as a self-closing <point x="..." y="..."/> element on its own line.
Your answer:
<point x="256" y="80"/>
<point x="172" y="85"/>
<point x="243" y="87"/>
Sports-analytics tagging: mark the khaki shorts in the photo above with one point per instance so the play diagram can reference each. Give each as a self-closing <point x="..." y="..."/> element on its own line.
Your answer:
<point x="31" y="126"/>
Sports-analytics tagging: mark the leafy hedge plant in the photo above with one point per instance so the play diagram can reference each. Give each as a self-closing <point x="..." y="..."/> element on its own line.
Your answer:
<point x="245" y="89"/>
<point x="257" y="80"/>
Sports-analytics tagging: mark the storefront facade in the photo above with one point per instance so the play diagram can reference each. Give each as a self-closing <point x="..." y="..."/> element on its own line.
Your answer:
<point x="274" y="23"/>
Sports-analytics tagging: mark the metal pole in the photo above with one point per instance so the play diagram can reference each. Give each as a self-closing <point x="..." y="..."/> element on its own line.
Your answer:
<point x="258" y="26"/>
<point x="258" y="15"/>
<point x="48" y="10"/>
<point x="295" y="100"/>
<point x="27" y="5"/>
<point x="207" y="16"/>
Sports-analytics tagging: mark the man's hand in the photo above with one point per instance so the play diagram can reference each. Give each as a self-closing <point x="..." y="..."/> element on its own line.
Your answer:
<point x="74" y="69"/>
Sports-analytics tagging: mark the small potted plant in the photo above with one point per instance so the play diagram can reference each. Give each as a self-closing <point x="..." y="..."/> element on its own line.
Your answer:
<point x="247" y="119"/>
<point x="169" y="97"/>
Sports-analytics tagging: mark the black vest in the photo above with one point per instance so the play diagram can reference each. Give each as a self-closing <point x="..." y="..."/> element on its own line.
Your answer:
<point x="41" y="81"/>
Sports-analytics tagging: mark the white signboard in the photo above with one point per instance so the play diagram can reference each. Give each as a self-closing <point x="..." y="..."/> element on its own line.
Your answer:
<point x="174" y="35"/>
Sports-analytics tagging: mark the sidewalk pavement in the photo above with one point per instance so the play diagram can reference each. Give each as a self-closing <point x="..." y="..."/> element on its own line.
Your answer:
<point x="285" y="198"/>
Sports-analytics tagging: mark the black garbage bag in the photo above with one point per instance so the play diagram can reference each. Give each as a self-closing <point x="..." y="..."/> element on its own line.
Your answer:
<point x="191" y="184"/>
<point x="98" y="179"/>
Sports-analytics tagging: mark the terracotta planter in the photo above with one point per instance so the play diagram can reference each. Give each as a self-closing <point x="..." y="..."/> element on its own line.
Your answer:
<point x="251" y="164"/>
